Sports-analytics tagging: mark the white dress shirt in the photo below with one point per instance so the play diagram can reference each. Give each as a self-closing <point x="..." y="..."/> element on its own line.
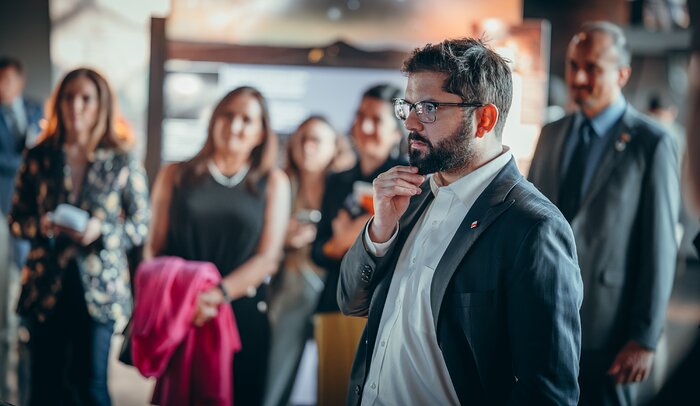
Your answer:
<point x="407" y="365"/>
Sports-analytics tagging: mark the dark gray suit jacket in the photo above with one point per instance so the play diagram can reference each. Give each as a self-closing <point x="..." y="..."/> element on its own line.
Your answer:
<point x="505" y="298"/>
<point x="625" y="229"/>
<point x="11" y="149"/>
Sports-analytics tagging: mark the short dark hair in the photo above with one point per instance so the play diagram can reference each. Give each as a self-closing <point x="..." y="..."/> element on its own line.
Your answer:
<point x="387" y="93"/>
<point x="10" y="62"/>
<point x="475" y="72"/>
<point x="616" y="34"/>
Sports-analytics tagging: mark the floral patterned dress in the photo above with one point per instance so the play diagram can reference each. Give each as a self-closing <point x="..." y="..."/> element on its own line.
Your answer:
<point x="115" y="191"/>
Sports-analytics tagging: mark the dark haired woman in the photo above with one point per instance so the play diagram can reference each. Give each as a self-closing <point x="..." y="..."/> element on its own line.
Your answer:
<point x="229" y="205"/>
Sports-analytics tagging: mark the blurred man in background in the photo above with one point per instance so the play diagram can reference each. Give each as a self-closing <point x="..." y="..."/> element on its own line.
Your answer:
<point x="19" y="127"/>
<point x="614" y="174"/>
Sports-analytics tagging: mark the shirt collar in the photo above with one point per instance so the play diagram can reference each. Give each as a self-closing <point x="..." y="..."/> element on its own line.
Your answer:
<point x="606" y="119"/>
<point x="18" y="103"/>
<point x="470" y="186"/>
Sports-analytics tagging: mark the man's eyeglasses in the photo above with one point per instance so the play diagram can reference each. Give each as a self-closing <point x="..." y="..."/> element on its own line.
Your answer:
<point x="425" y="110"/>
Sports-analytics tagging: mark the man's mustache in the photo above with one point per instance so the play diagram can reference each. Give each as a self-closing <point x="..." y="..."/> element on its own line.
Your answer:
<point x="417" y="137"/>
<point x="586" y="88"/>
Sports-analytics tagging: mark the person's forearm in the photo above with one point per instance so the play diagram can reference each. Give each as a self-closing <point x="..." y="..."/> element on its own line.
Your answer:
<point x="245" y="279"/>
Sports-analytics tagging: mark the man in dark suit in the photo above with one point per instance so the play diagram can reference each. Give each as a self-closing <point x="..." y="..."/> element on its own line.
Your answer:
<point x="468" y="277"/>
<point x="19" y="127"/>
<point x="614" y="174"/>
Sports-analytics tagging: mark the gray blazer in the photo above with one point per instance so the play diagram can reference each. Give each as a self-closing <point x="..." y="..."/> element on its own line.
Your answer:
<point x="505" y="298"/>
<point x="625" y="229"/>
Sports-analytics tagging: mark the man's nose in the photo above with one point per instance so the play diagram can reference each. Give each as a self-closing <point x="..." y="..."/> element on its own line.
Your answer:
<point x="412" y="123"/>
<point x="580" y="77"/>
<point x="367" y="126"/>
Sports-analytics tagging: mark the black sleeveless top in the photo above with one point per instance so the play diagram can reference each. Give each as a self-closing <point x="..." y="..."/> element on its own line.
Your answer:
<point x="216" y="223"/>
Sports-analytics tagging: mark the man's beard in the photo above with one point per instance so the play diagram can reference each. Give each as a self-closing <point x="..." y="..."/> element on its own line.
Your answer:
<point x="449" y="154"/>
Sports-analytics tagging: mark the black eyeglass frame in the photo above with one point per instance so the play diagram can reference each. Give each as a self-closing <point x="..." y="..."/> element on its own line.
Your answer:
<point x="413" y="106"/>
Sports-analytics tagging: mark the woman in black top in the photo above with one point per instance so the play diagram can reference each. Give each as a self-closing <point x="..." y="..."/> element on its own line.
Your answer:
<point x="229" y="205"/>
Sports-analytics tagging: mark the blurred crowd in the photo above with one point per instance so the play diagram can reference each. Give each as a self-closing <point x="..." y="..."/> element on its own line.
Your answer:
<point x="81" y="231"/>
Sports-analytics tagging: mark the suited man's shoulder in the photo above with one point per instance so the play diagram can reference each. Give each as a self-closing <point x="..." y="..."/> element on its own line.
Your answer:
<point x="555" y="127"/>
<point x="532" y="206"/>
<point x="33" y="108"/>
<point x="645" y="128"/>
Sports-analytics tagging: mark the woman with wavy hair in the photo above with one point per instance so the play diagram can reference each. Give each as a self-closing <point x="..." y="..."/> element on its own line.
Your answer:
<point x="81" y="200"/>
<point x="314" y="151"/>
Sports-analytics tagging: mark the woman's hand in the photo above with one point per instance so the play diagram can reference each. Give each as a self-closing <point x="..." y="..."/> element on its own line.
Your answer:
<point x="300" y="234"/>
<point x="207" y="305"/>
<point x="91" y="233"/>
<point x="345" y="232"/>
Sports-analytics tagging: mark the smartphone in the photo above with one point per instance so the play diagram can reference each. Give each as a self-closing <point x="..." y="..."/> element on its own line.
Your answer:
<point x="308" y="216"/>
<point x="69" y="216"/>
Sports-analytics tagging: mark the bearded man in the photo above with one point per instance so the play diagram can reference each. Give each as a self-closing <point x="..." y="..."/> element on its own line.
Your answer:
<point x="466" y="273"/>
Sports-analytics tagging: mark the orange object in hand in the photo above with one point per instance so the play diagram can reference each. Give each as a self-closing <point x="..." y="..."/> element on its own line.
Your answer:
<point x="367" y="203"/>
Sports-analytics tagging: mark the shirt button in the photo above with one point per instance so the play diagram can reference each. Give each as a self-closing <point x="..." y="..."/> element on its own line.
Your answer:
<point x="374" y="386"/>
<point x="383" y="343"/>
<point x="413" y="260"/>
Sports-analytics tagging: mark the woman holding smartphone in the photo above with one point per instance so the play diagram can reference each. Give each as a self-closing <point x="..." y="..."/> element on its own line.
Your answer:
<point x="313" y="151"/>
<point x="75" y="284"/>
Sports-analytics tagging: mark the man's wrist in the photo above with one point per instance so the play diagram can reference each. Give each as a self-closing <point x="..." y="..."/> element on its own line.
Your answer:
<point x="378" y="233"/>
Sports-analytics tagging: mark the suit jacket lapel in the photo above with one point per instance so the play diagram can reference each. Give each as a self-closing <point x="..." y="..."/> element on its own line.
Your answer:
<point x="4" y="128"/>
<point x="551" y="188"/>
<point x="487" y="208"/>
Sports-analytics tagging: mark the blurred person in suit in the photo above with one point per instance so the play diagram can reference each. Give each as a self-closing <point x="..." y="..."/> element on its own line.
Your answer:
<point x="19" y="127"/>
<point x="681" y="385"/>
<point x="614" y="174"/>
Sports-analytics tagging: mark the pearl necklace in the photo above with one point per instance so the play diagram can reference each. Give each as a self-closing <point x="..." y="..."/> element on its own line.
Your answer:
<point x="227" y="181"/>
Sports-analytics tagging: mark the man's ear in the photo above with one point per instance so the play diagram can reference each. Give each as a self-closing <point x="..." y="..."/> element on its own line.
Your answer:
<point x="487" y="119"/>
<point x="623" y="76"/>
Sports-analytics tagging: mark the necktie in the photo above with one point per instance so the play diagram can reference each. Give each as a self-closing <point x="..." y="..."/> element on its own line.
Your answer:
<point x="11" y="120"/>
<point x="15" y="134"/>
<point x="570" y="190"/>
